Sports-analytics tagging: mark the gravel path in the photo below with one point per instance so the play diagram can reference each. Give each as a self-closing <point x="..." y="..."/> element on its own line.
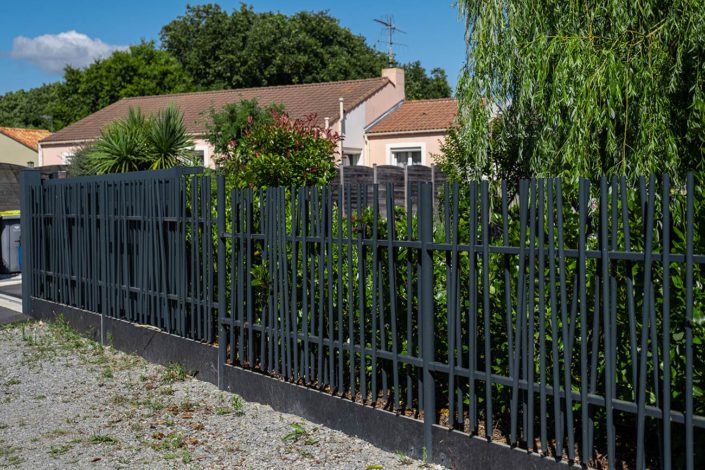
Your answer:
<point x="66" y="402"/>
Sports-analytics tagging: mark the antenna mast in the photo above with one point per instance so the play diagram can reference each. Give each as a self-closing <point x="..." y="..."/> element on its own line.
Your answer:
<point x="388" y="23"/>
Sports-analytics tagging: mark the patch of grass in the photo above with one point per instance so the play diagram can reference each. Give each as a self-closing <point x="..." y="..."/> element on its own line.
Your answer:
<point x="172" y="441"/>
<point x="9" y="454"/>
<point x="186" y="457"/>
<point x="12" y="326"/>
<point x="13" y="382"/>
<point x="222" y="410"/>
<point x="57" y="433"/>
<point x="305" y="454"/>
<point x="174" y="372"/>
<point x="102" y="439"/>
<point x="68" y="337"/>
<point x="403" y="458"/>
<point x="238" y="405"/>
<point x="39" y="397"/>
<point x="119" y="400"/>
<point x="55" y="451"/>
<point x="297" y="433"/>
<point x="107" y="373"/>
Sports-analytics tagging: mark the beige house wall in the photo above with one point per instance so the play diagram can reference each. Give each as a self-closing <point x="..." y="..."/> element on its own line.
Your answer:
<point x="57" y="154"/>
<point x="14" y="152"/>
<point x="379" y="147"/>
<point x="387" y="97"/>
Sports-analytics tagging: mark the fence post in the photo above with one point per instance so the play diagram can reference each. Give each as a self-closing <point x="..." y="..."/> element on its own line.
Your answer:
<point x="425" y="224"/>
<point x="433" y="184"/>
<point x="28" y="179"/>
<point x="222" y="336"/>
<point x="406" y="189"/>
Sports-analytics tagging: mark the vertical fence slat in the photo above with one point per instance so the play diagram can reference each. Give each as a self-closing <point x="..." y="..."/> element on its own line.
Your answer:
<point x="666" y="323"/>
<point x="426" y="312"/>
<point x="485" y="203"/>
<point x="689" y="443"/>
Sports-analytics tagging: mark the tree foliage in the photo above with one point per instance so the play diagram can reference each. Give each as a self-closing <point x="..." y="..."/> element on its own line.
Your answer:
<point x="591" y="88"/>
<point x="141" y="70"/>
<point x="419" y="85"/>
<point x="30" y="108"/>
<point x="274" y="150"/>
<point x="248" y="49"/>
<point x="228" y="125"/>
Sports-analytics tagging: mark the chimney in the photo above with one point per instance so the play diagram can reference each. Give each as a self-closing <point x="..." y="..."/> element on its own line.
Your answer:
<point x="396" y="76"/>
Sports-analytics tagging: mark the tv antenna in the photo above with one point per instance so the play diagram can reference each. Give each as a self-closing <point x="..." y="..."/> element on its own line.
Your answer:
<point x="388" y="23"/>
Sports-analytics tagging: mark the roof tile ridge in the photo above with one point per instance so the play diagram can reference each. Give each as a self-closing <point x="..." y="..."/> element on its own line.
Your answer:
<point x="270" y="87"/>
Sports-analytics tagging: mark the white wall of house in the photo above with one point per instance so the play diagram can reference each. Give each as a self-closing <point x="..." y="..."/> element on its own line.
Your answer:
<point x="354" y="143"/>
<point x="56" y="154"/>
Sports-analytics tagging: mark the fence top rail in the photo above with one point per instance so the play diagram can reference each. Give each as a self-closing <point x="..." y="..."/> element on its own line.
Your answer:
<point x="123" y="177"/>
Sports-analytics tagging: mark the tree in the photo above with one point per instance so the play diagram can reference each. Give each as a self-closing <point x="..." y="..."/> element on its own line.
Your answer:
<point x="139" y="71"/>
<point x="32" y="108"/>
<point x="273" y="150"/>
<point x="421" y="86"/>
<point x="137" y="142"/>
<point x="591" y="88"/>
<point x="227" y="126"/>
<point x="248" y="49"/>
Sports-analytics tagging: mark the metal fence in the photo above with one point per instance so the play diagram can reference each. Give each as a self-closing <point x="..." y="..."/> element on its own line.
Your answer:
<point x="554" y="318"/>
<point x="135" y="246"/>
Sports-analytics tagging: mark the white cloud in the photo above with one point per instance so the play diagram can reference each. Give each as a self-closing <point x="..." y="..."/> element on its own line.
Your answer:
<point x="52" y="52"/>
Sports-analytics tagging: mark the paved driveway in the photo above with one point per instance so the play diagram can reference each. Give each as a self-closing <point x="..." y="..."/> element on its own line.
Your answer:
<point x="11" y="300"/>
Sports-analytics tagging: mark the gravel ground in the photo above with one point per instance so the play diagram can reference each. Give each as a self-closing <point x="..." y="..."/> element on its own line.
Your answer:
<point x="66" y="402"/>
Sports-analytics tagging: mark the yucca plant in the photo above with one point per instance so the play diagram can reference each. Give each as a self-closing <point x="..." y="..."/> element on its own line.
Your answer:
<point x="167" y="141"/>
<point x="138" y="142"/>
<point x="121" y="146"/>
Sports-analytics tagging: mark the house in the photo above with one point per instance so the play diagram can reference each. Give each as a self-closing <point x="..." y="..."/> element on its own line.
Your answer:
<point x="348" y="107"/>
<point x="19" y="146"/>
<point x="411" y="133"/>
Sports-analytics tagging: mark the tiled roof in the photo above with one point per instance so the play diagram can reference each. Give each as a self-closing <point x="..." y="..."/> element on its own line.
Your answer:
<point x="27" y="137"/>
<point x="298" y="100"/>
<point x="418" y="115"/>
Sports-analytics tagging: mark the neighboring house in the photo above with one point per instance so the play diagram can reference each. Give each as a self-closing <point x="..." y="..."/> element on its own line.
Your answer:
<point x="349" y="107"/>
<point x="10" y="183"/>
<point x="410" y="134"/>
<point x="20" y="146"/>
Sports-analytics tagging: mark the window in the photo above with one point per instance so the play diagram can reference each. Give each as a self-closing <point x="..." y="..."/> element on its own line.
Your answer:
<point x="196" y="157"/>
<point x="200" y="157"/>
<point x="351" y="159"/>
<point x="406" y="156"/>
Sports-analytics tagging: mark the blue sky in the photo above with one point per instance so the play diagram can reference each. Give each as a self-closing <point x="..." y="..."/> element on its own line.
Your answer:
<point x="31" y="31"/>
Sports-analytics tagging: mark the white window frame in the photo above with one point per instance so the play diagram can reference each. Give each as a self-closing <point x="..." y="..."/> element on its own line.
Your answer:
<point x="391" y="148"/>
<point x="206" y="157"/>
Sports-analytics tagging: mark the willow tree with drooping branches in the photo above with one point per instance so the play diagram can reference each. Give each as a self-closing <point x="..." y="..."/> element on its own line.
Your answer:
<point x="583" y="88"/>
